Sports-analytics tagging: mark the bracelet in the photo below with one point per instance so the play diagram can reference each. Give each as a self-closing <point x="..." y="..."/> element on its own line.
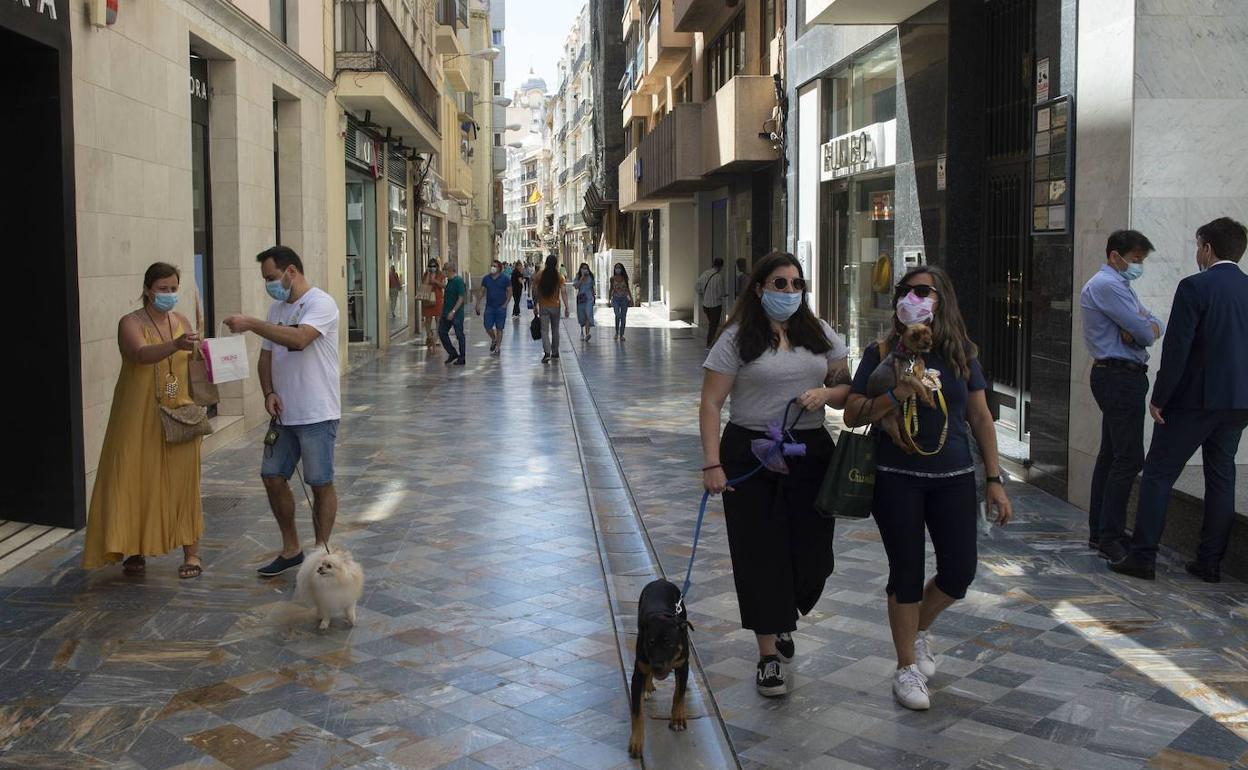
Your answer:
<point x="993" y="480"/>
<point x="712" y="467"/>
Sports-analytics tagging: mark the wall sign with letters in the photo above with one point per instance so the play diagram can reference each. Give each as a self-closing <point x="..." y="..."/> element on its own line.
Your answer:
<point x="868" y="148"/>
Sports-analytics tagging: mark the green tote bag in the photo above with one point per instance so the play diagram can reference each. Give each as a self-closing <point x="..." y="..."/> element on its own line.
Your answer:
<point x="849" y="485"/>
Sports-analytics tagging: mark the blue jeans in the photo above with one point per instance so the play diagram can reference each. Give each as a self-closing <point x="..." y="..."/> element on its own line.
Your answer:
<point x="495" y="318"/>
<point x="313" y="443"/>
<point x="620" y="306"/>
<point x="444" y="334"/>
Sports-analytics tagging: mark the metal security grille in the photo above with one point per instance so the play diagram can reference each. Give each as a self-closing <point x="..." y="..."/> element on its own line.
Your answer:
<point x="396" y="169"/>
<point x="1006" y="253"/>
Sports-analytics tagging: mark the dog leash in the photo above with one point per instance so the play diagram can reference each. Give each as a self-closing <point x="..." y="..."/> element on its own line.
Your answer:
<point x="776" y="448"/>
<point x="316" y="530"/>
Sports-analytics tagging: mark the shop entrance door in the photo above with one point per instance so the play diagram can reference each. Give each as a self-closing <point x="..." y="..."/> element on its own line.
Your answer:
<point x="43" y="477"/>
<point x="361" y="259"/>
<point x="1005" y="266"/>
<point x="834" y="253"/>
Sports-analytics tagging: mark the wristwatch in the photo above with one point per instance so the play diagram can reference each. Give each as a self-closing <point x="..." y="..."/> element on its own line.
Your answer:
<point x="994" y="479"/>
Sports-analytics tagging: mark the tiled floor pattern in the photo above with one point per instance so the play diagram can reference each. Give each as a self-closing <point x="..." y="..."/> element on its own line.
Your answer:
<point x="484" y="641"/>
<point x="1051" y="662"/>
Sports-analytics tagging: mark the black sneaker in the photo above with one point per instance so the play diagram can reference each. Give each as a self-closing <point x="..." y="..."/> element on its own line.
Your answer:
<point x="1207" y="574"/>
<point x="450" y="359"/>
<point x="785" y="646"/>
<point x="1134" y="567"/>
<point x="770" y="678"/>
<point x="460" y="362"/>
<point x="1113" y="551"/>
<point x="554" y="356"/>
<point x="546" y="358"/>
<point x="280" y="565"/>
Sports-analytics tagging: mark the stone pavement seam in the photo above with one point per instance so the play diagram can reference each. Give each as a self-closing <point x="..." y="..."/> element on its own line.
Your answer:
<point x="629" y="561"/>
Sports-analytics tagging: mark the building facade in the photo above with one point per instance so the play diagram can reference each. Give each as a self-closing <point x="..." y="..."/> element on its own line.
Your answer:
<point x="611" y="230"/>
<point x="527" y="181"/>
<point x="572" y="146"/>
<point x="703" y="174"/>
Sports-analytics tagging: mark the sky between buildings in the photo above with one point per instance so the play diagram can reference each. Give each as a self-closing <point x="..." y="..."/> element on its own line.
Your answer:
<point x="536" y="30"/>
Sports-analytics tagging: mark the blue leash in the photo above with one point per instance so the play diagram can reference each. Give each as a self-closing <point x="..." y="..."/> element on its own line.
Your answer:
<point x="706" y="495"/>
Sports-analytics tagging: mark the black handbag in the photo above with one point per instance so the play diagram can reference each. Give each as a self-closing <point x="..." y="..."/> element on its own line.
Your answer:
<point x="535" y="328"/>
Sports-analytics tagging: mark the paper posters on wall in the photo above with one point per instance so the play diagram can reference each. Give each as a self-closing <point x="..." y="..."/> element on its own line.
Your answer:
<point x="940" y="171"/>
<point x="1042" y="80"/>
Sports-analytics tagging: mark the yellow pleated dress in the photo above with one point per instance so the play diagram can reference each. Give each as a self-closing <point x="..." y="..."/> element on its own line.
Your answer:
<point x="146" y="500"/>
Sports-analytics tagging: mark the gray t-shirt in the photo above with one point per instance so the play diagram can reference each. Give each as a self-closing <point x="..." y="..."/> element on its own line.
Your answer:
<point x="765" y="385"/>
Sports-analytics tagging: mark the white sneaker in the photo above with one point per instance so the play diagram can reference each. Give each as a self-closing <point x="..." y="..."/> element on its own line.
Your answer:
<point x="923" y="657"/>
<point x="910" y="688"/>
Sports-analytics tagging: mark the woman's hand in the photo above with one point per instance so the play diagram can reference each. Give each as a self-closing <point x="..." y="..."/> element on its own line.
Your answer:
<point x="715" y="481"/>
<point x="813" y="399"/>
<point x="187" y="341"/>
<point x="996" y="498"/>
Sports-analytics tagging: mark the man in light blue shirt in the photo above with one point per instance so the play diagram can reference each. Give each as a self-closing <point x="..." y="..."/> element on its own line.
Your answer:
<point x="1118" y="330"/>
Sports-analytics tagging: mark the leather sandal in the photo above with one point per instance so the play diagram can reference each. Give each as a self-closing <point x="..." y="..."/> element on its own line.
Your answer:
<point x="188" y="570"/>
<point x="134" y="566"/>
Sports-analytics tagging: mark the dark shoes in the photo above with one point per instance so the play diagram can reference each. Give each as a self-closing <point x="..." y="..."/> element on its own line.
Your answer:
<point x="460" y="362"/>
<point x="1208" y="574"/>
<point x="450" y="359"/>
<point x="1134" y="567"/>
<point x="785" y="647"/>
<point x="1113" y="551"/>
<point x="546" y="358"/>
<point x="280" y="565"/>
<point x="770" y="677"/>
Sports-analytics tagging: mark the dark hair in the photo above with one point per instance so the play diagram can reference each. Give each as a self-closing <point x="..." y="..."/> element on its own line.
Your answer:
<point x="717" y="262"/>
<point x="1225" y="236"/>
<point x="741" y="264"/>
<point x="623" y="270"/>
<point x="585" y="265"/>
<point x="754" y="333"/>
<point x="548" y="283"/>
<point x="282" y="256"/>
<point x="1126" y="241"/>
<point x="949" y="333"/>
<point x="155" y="272"/>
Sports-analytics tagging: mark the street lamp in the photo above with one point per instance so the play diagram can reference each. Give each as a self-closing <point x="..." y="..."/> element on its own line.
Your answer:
<point x="485" y="54"/>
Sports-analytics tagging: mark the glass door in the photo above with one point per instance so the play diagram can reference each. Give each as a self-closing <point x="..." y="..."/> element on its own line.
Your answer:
<point x="361" y="261"/>
<point x="866" y="289"/>
<point x="396" y="280"/>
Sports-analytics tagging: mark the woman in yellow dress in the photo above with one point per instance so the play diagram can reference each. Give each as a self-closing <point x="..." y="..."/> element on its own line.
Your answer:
<point x="146" y="500"/>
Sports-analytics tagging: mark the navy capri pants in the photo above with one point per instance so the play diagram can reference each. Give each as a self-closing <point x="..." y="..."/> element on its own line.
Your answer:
<point x="947" y="507"/>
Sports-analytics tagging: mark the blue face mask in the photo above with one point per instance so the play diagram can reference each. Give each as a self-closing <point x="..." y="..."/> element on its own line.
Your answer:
<point x="277" y="290"/>
<point x="781" y="305"/>
<point x="164" y="302"/>
<point x="1134" y="270"/>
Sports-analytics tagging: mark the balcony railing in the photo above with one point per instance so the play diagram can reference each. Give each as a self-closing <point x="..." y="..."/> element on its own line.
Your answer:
<point x="670" y="156"/>
<point x="370" y="41"/>
<point x="452" y="13"/>
<point x="563" y="177"/>
<point x="581" y="163"/>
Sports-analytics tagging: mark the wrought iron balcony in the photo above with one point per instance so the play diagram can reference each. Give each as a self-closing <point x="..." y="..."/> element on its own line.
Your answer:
<point x="368" y="40"/>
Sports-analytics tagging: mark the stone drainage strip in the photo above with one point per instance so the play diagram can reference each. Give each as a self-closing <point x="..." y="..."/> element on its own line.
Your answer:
<point x="629" y="562"/>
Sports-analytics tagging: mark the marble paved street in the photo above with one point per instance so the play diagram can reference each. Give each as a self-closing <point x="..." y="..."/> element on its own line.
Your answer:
<point x="487" y="637"/>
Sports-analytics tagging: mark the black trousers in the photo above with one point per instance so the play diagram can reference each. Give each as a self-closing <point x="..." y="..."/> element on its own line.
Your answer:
<point x="781" y="548"/>
<point x="1216" y="433"/>
<point x="713" y="315"/>
<point x="903" y="506"/>
<point x="515" y="303"/>
<point x="1120" y="394"/>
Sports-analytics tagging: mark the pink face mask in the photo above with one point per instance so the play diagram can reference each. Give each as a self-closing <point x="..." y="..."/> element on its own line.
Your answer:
<point x="912" y="309"/>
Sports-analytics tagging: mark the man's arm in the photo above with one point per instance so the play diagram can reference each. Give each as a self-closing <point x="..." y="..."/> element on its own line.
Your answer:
<point x="266" y="372"/>
<point x="1184" y="318"/>
<point x="458" y="304"/>
<point x="289" y="337"/>
<point x="1117" y="302"/>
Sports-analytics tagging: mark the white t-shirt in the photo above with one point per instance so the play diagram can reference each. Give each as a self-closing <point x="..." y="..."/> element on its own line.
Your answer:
<point x="308" y="379"/>
<point x="710" y="287"/>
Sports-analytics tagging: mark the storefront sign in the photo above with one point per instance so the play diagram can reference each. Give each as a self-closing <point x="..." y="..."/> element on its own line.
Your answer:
<point x="198" y="86"/>
<point x="1050" y="191"/>
<point x="42" y="7"/>
<point x="863" y="150"/>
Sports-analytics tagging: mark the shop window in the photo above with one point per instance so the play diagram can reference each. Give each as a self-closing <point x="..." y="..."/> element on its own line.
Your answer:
<point x="397" y="268"/>
<point x="725" y="56"/>
<point x="875" y="85"/>
<point x="769" y="32"/>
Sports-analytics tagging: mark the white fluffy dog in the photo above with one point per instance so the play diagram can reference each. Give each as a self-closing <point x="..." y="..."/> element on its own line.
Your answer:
<point x="332" y="582"/>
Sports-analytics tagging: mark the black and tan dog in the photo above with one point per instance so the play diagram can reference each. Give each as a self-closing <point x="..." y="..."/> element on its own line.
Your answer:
<point x="662" y="647"/>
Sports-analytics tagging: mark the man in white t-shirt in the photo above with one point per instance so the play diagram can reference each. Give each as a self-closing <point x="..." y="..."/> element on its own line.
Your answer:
<point x="710" y="291"/>
<point x="299" y="374"/>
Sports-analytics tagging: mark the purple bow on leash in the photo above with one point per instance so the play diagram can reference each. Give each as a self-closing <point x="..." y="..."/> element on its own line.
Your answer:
<point x="772" y="450"/>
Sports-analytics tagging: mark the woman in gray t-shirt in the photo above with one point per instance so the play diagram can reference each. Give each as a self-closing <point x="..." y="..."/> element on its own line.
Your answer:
<point x="773" y="350"/>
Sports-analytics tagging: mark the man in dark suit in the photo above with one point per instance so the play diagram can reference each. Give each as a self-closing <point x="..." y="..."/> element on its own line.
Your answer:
<point x="1200" y="400"/>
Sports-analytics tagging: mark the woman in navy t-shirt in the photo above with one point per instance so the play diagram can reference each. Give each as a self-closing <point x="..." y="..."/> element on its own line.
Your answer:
<point x="935" y="486"/>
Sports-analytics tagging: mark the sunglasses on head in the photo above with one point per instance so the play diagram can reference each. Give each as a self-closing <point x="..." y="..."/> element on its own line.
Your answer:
<point x="782" y="284"/>
<point x="922" y="291"/>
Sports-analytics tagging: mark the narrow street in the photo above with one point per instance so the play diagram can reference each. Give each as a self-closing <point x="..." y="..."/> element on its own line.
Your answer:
<point x="489" y="525"/>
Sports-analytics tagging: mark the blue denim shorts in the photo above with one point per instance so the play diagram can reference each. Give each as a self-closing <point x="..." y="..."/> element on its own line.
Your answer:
<point x="314" y="444"/>
<point x="495" y="317"/>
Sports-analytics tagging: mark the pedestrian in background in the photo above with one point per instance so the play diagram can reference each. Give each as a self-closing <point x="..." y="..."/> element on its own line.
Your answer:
<point x="710" y="291"/>
<point x="1200" y="400"/>
<point x="584" y="286"/>
<point x="300" y="377"/>
<point x="432" y="280"/>
<point x="517" y="288"/>
<point x="621" y="294"/>
<point x="453" y="302"/>
<point x="496" y="291"/>
<point x="932" y="488"/>
<point x="550" y="294"/>
<point x="773" y="350"/>
<point x="743" y="276"/>
<point x="1117" y="330"/>
<point x="146" y="500"/>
